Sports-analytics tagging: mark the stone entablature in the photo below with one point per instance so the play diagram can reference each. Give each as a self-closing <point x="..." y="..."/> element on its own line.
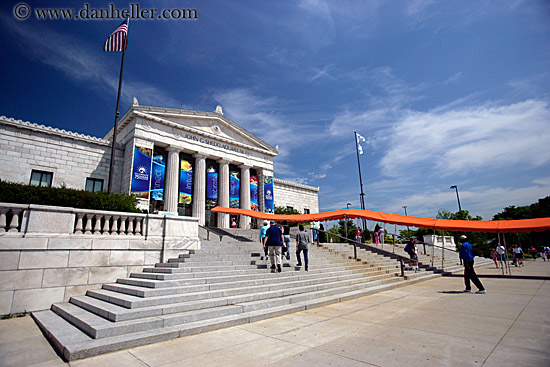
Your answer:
<point x="52" y="130"/>
<point x="48" y="254"/>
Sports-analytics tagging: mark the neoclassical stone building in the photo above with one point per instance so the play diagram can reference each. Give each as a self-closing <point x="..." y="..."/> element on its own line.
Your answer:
<point x="176" y="161"/>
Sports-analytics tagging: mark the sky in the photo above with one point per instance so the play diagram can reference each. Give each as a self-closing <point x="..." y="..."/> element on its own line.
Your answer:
<point x="445" y="92"/>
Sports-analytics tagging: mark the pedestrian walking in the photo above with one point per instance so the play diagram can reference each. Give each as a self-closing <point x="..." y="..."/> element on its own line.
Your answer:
<point x="467" y="255"/>
<point x="274" y="242"/>
<point x="358" y="235"/>
<point x="302" y="240"/>
<point x="494" y="256"/>
<point x="533" y="251"/>
<point x="382" y="235"/>
<point x="263" y="230"/>
<point x="501" y="254"/>
<point x="410" y="248"/>
<point x="518" y="251"/>
<point x="286" y="236"/>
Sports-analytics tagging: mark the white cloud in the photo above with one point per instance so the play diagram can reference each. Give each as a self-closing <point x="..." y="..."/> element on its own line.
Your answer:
<point x="483" y="201"/>
<point x="470" y="139"/>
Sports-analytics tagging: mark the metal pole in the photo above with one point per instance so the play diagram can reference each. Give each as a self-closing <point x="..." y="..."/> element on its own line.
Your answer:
<point x="457" y="197"/>
<point x="113" y="146"/>
<point x="362" y="195"/>
<point x="433" y="249"/>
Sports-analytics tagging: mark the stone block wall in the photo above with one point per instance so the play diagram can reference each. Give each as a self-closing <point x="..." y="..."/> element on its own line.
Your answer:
<point x="71" y="157"/>
<point x="53" y="253"/>
<point x="295" y="195"/>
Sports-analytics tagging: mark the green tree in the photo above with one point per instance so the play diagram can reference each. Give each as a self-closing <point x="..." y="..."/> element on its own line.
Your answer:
<point x="540" y="209"/>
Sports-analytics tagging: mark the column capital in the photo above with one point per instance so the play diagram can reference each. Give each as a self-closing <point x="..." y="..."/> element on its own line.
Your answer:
<point x="245" y="166"/>
<point x="172" y="148"/>
<point x="199" y="155"/>
<point x="222" y="161"/>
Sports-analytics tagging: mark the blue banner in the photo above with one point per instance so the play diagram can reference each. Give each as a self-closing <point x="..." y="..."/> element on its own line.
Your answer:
<point x="254" y="193"/>
<point x="211" y="187"/>
<point x="141" y="172"/>
<point x="234" y="189"/>
<point x="157" y="179"/>
<point x="186" y="183"/>
<point x="268" y="195"/>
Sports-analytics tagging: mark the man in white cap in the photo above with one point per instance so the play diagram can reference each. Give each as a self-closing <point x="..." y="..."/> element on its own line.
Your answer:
<point x="466" y="253"/>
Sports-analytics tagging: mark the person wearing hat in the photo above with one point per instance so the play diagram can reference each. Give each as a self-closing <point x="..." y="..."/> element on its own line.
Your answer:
<point x="466" y="253"/>
<point x="263" y="230"/>
<point x="274" y="242"/>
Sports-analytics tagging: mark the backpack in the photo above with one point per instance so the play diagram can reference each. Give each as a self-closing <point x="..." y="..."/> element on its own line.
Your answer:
<point x="407" y="248"/>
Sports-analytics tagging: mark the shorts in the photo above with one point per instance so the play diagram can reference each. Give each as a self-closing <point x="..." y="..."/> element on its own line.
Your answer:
<point x="501" y="257"/>
<point x="413" y="257"/>
<point x="519" y="256"/>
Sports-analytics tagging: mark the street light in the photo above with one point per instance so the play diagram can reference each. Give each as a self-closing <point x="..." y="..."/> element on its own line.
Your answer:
<point x="346" y="222"/>
<point x="457" y="198"/>
<point x="405" y="207"/>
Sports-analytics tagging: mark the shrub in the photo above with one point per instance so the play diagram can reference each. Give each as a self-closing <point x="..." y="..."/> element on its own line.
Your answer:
<point x="62" y="196"/>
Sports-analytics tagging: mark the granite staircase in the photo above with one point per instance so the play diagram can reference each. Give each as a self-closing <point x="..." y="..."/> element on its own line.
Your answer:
<point x="223" y="284"/>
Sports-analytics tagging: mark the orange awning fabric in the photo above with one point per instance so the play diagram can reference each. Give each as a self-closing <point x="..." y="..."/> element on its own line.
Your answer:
<point x="522" y="225"/>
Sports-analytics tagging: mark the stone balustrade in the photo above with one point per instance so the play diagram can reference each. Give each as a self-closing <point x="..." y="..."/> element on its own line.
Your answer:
<point x="48" y="254"/>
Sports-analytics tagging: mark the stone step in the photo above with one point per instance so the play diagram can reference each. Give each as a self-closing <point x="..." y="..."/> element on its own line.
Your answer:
<point x="118" y="313"/>
<point x="98" y="327"/>
<point x="122" y="295"/>
<point x="73" y="344"/>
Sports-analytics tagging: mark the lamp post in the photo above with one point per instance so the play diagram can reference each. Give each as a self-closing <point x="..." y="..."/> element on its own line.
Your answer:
<point x="405" y="207"/>
<point x="346" y="222"/>
<point x="457" y="198"/>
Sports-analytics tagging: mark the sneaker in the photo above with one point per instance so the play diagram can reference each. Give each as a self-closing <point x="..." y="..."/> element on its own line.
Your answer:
<point x="279" y="268"/>
<point x="307" y="269"/>
<point x="298" y="264"/>
<point x="467" y="290"/>
<point x="481" y="291"/>
<point x="272" y="267"/>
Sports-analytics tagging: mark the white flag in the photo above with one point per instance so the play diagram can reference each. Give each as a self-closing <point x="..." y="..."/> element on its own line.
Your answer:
<point x="359" y="140"/>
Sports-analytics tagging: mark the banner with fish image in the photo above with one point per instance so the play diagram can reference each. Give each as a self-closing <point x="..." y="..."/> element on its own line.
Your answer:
<point x="254" y="203"/>
<point x="234" y="189"/>
<point x="157" y="179"/>
<point x="186" y="182"/>
<point x="211" y="187"/>
<point x="268" y="195"/>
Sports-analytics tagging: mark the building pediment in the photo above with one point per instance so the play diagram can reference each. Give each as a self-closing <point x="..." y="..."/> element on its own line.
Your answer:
<point x="207" y="126"/>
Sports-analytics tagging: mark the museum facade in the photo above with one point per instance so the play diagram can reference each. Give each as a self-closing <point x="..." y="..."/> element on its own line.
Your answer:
<point x="178" y="162"/>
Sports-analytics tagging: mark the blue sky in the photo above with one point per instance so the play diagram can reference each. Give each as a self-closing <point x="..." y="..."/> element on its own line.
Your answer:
<point x="446" y="92"/>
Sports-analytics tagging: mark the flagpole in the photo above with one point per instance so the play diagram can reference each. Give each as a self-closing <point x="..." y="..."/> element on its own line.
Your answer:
<point x="362" y="196"/>
<point x="110" y="186"/>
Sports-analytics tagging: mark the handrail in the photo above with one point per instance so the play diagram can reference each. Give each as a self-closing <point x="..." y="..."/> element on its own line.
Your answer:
<point x="208" y="230"/>
<point x="402" y="259"/>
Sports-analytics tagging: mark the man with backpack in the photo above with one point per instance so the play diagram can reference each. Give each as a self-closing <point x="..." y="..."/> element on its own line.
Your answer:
<point x="410" y="248"/>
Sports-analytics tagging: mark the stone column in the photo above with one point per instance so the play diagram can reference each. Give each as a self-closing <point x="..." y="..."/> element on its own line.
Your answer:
<point x="171" y="181"/>
<point x="245" y="195"/>
<point x="261" y="196"/>
<point x="223" y="193"/>
<point x="199" y="188"/>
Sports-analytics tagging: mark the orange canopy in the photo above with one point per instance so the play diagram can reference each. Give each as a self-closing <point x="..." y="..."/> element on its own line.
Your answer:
<point x="522" y="225"/>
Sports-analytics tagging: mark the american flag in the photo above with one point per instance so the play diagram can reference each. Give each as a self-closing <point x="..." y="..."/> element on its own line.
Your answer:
<point x="118" y="40"/>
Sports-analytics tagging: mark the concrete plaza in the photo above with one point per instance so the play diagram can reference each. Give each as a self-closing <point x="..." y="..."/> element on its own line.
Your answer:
<point x="432" y="323"/>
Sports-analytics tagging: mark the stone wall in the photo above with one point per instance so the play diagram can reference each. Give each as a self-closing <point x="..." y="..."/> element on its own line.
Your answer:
<point x="71" y="157"/>
<point x="296" y="195"/>
<point x="48" y="254"/>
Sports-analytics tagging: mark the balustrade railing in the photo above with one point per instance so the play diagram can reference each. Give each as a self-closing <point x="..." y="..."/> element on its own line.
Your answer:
<point x="15" y="218"/>
<point x="109" y="224"/>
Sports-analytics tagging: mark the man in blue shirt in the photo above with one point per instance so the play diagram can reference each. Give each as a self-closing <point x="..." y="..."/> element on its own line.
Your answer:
<point x="466" y="253"/>
<point x="274" y="242"/>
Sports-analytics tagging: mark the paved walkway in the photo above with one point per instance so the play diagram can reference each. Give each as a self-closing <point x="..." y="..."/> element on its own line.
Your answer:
<point x="429" y="324"/>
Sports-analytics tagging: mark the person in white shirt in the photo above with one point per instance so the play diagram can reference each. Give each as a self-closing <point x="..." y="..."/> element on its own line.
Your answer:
<point x="501" y="254"/>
